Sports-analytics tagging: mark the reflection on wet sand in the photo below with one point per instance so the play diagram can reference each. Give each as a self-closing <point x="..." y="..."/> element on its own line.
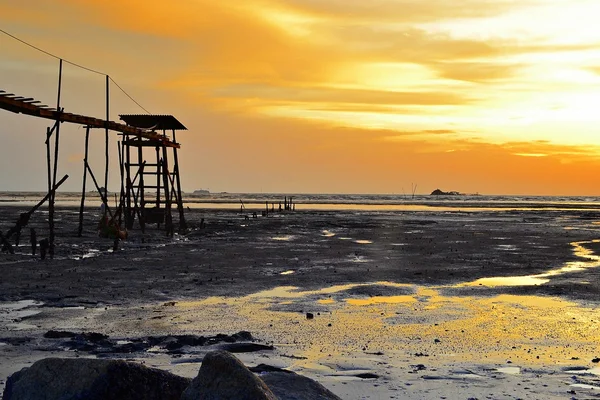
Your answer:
<point x="536" y="330"/>
<point x="590" y="261"/>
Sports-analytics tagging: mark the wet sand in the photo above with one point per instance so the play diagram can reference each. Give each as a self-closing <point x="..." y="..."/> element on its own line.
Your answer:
<point x="403" y="303"/>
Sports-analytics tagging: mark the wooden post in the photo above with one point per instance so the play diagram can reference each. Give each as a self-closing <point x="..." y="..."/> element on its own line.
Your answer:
<point x="129" y="214"/>
<point x="56" y="139"/>
<point x="158" y="173"/>
<point x="48" y="160"/>
<point x="141" y="201"/>
<point x="166" y="179"/>
<point x="85" y="160"/>
<point x="106" y="136"/>
<point x="182" y="224"/>
<point x="121" y="202"/>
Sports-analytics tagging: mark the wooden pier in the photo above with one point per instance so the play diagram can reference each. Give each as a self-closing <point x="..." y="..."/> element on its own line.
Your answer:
<point x="140" y="134"/>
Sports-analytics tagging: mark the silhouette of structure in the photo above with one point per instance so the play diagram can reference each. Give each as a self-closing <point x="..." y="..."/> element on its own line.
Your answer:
<point x="141" y="175"/>
<point x="139" y="133"/>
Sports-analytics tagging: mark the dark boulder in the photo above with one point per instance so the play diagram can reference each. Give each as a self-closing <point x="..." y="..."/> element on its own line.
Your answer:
<point x="223" y="377"/>
<point x="92" y="379"/>
<point x="290" y="386"/>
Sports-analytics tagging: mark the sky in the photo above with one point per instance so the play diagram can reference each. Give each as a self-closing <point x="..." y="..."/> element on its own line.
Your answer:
<point x="320" y="96"/>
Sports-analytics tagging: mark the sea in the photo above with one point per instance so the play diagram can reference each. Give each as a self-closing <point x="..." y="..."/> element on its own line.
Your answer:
<point x="312" y="201"/>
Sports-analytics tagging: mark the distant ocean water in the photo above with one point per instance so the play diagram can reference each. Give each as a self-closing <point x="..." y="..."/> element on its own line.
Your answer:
<point x="306" y="201"/>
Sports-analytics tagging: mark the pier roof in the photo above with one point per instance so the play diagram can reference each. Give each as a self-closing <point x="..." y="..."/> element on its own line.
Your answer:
<point x="153" y="122"/>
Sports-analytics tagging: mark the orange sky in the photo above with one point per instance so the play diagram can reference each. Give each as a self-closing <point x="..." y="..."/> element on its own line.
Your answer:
<point x="488" y="96"/>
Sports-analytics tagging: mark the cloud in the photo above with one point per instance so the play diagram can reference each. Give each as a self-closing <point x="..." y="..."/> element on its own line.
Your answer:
<point x="401" y="11"/>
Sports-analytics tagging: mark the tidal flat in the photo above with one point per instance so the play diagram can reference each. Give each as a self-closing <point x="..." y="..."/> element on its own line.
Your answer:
<point x="497" y="304"/>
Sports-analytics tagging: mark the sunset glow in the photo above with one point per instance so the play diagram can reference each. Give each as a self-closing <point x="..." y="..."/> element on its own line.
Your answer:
<point x="329" y="95"/>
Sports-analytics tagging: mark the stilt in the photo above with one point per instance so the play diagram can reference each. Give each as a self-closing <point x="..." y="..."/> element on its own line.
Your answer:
<point x="167" y="208"/>
<point x="127" y="184"/>
<point x="122" y="189"/>
<point x="182" y="223"/>
<point x="106" y="137"/>
<point x="85" y="160"/>
<point x="56" y="141"/>
<point x="141" y="200"/>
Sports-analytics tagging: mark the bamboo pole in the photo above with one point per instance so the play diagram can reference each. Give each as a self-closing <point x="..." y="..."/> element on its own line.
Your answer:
<point x="85" y="160"/>
<point x="54" y="171"/>
<point x="106" y="136"/>
<point x="182" y="223"/>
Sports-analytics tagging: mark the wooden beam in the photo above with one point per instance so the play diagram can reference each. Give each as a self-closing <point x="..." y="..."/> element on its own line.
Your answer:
<point x="28" y="108"/>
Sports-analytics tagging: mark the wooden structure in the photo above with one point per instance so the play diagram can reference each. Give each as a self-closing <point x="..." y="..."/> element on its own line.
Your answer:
<point x="160" y="175"/>
<point x="138" y="133"/>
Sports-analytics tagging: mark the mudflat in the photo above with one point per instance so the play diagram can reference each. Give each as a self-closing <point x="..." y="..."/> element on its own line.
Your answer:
<point x="386" y="304"/>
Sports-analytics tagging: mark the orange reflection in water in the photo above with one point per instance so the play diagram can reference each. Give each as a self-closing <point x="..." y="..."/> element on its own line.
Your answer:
<point x="590" y="260"/>
<point x="533" y="330"/>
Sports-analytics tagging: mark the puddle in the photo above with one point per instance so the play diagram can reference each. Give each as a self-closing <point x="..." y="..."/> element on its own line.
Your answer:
<point x="590" y="261"/>
<point x="381" y="300"/>
<point x="363" y="241"/>
<point x="326" y="301"/>
<point x="327" y="233"/>
<point x="353" y="320"/>
<point x="360" y="259"/>
<point x="584" y="371"/>
<point x="507" y="247"/>
<point x="291" y="271"/>
<point x="12" y="313"/>
<point x="532" y="280"/>
<point x="91" y="253"/>
<point x="285" y="238"/>
<point x="509" y="370"/>
<point x="584" y="386"/>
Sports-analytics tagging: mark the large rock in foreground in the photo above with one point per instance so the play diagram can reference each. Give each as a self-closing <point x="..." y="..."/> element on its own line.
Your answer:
<point x="291" y="386"/>
<point x="92" y="379"/>
<point x="223" y="377"/>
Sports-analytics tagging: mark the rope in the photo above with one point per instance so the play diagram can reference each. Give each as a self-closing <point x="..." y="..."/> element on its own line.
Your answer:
<point x="75" y="65"/>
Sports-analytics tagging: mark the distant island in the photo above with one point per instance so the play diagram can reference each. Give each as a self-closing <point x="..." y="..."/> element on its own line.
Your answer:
<point x="438" y="192"/>
<point x="200" y="192"/>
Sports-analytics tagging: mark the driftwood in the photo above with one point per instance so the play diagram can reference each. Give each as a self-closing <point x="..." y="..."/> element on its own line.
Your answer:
<point x="24" y="218"/>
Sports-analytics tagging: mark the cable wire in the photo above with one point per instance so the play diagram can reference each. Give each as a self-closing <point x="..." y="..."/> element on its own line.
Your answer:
<point x="75" y="65"/>
<point x="127" y="94"/>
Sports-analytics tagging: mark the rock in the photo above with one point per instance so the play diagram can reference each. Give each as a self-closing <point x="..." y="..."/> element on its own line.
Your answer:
<point x="291" y="386"/>
<point x="245" y="347"/>
<point x="309" y="315"/>
<point x="242" y="335"/>
<point x="261" y="368"/>
<point x="438" y="192"/>
<point x="92" y="379"/>
<point x="52" y="334"/>
<point x="367" y="375"/>
<point x="222" y="377"/>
